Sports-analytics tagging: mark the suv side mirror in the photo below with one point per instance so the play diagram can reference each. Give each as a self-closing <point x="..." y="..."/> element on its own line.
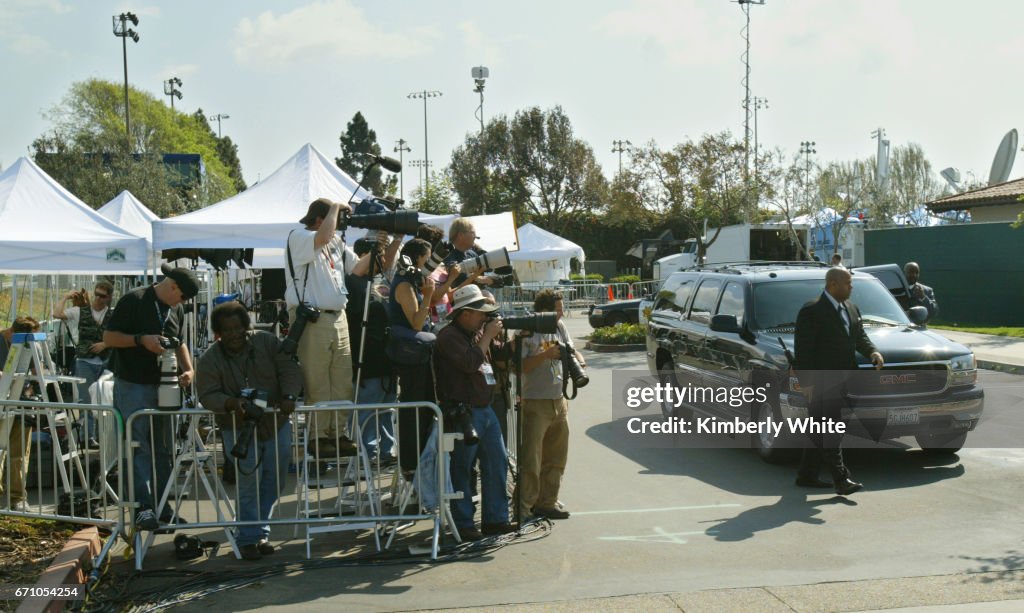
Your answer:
<point x="729" y="324"/>
<point x="918" y="315"/>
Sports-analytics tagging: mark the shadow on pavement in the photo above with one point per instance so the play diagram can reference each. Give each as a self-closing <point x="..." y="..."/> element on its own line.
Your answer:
<point x="792" y="507"/>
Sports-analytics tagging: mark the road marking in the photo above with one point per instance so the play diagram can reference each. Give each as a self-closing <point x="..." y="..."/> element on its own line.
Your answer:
<point x="656" y="510"/>
<point x="659" y="536"/>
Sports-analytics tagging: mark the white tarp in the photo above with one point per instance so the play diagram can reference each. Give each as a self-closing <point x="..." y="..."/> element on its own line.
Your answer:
<point x="46" y="229"/>
<point x="544" y="256"/>
<point x="261" y="216"/>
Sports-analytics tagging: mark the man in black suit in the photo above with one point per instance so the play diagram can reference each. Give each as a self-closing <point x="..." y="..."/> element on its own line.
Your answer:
<point x="920" y="294"/>
<point x="829" y="333"/>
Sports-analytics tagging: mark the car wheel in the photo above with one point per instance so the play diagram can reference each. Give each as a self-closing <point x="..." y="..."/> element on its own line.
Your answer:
<point x="941" y="444"/>
<point x="667" y="376"/>
<point x="765" y="443"/>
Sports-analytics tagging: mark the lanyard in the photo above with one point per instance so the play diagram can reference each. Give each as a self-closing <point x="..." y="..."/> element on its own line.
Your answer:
<point x="161" y="319"/>
<point x="242" y="369"/>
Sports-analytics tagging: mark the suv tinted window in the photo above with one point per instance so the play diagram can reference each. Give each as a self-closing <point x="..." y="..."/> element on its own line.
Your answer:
<point x="732" y="301"/>
<point x="675" y="294"/>
<point x="777" y="303"/>
<point x="704" y="301"/>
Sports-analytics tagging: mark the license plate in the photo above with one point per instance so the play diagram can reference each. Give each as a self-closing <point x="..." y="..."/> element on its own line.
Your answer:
<point x="903" y="417"/>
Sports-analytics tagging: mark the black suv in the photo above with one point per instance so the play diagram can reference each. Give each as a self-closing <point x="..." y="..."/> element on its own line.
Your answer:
<point x="722" y="326"/>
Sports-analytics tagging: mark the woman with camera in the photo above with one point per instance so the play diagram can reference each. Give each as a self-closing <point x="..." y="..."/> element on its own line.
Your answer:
<point x="410" y="346"/>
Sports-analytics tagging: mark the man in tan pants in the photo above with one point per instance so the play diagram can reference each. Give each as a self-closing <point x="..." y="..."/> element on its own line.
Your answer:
<point x="18" y="428"/>
<point x="545" y="444"/>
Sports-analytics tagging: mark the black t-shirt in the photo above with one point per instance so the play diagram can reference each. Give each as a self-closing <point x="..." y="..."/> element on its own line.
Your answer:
<point x="375" y="360"/>
<point x="140" y="312"/>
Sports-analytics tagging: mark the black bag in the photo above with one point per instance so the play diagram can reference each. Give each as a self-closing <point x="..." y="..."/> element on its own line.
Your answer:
<point x="408" y="348"/>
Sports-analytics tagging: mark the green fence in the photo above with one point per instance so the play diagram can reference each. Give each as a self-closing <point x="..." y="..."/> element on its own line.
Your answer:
<point x="977" y="270"/>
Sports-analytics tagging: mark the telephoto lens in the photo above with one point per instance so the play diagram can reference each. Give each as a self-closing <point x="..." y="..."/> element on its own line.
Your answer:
<point x="541" y="323"/>
<point x="169" y="392"/>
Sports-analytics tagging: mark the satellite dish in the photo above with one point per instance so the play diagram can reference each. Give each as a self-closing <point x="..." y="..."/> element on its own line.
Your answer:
<point x="1004" y="158"/>
<point x="952" y="176"/>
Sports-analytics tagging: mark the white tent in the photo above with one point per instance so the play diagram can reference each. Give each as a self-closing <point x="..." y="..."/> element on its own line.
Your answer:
<point x="126" y="211"/>
<point x="48" y="230"/>
<point x="543" y="256"/>
<point x="262" y="215"/>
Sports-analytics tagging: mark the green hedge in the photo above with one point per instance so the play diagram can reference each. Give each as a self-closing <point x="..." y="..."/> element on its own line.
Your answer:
<point x="626" y="279"/>
<point x="590" y="277"/>
<point x="620" y="334"/>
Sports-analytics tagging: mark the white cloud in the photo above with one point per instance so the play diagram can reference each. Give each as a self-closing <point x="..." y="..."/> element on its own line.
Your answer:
<point x="27" y="44"/>
<point x="478" y="45"/>
<point x="331" y="29"/>
<point x="181" y="71"/>
<point x="682" y="29"/>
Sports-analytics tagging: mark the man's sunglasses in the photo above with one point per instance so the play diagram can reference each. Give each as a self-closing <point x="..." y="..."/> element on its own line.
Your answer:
<point x="99" y="295"/>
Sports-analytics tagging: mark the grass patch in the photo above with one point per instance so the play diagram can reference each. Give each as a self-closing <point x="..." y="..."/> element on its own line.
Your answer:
<point x="620" y="334"/>
<point x="1011" y="331"/>
<point x="27" y="546"/>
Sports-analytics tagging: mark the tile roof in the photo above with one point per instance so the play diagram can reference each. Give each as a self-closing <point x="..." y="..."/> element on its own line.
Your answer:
<point x="1000" y="193"/>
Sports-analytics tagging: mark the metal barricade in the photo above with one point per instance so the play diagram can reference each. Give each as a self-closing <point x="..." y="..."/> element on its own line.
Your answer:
<point x="63" y="462"/>
<point x="331" y="489"/>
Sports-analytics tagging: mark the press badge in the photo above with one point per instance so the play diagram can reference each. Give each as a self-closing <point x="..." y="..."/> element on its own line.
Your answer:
<point x="488" y="371"/>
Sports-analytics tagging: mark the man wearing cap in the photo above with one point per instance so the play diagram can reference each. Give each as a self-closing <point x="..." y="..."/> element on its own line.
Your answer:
<point x="142" y="320"/>
<point x="317" y="262"/>
<point x="465" y="376"/>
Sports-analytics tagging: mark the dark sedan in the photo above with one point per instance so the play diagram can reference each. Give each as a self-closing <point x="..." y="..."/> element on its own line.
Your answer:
<point x="618" y="312"/>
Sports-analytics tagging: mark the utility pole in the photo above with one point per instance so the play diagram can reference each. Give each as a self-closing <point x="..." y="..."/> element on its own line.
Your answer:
<point x="759" y="103"/>
<point x="745" y="5"/>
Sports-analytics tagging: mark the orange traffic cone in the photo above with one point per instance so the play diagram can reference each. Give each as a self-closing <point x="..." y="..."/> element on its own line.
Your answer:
<point x="611" y="294"/>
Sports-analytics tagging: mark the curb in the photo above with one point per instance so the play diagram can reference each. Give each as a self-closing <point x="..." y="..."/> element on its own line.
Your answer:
<point x="71" y="566"/>
<point x="1015" y="369"/>
<point x="600" y="348"/>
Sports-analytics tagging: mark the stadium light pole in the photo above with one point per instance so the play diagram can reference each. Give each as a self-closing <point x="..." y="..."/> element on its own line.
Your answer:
<point x="401" y="146"/>
<point x="618" y="146"/>
<point x="748" y="110"/>
<point x="122" y="31"/>
<point x="425" y="94"/>
<point x="807" y="149"/>
<point x="759" y="103"/>
<point x="219" y="117"/>
<point x="171" y="90"/>
<point x="421" y="164"/>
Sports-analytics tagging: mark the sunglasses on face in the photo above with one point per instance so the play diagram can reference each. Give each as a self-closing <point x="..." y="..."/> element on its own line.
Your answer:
<point x="99" y="295"/>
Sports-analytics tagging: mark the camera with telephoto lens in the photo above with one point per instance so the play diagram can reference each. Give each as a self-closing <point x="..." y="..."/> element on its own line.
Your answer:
<point x="438" y="253"/>
<point x="485" y="261"/>
<point x="501" y="276"/>
<point x="254" y="403"/>
<point x="458" y="417"/>
<point x="540" y="323"/>
<point x="572" y="368"/>
<point x="407" y="268"/>
<point x="374" y="214"/>
<point x="169" y="392"/>
<point x="303" y="315"/>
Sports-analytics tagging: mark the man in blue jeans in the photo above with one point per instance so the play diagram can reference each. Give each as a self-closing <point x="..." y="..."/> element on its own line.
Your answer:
<point x="465" y="377"/>
<point x="144" y="319"/>
<point x="239" y="372"/>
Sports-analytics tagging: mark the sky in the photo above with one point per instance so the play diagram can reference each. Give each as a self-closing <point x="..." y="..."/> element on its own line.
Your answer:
<point x="933" y="72"/>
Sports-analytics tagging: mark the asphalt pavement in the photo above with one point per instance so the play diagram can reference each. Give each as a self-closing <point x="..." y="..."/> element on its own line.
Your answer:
<point x="711" y="530"/>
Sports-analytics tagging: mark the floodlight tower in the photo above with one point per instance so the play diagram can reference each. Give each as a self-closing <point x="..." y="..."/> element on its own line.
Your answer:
<point x="122" y="31"/>
<point x="807" y="149"/>
<point x="218" y="117"/>
<point x="425" y="94"/>
<point x="759" y="103"/>
<point x="747" y="109"/>
<point x="618" y="146"/>
<point x="171" y="90"/>
<point x="401" y="146"/>
<point x="480" y="74"/>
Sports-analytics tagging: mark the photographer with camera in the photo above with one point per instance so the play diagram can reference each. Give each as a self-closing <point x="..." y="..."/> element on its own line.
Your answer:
<point x="545" y="428"/>
<point x="317" y="261"/>
<point x="465" y="386"/>
<point x="238" y="377"/>
<point x="146" y="320"/>
<point x="91" y="354"/>
<point x="462" y="237"/>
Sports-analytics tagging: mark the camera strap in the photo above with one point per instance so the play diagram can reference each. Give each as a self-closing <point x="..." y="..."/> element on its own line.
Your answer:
<point x="291" y="269"/>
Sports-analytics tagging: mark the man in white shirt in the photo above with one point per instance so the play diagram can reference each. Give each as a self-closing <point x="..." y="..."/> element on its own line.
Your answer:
<point x="317" y="261"/>
<point x="91" y="353"/>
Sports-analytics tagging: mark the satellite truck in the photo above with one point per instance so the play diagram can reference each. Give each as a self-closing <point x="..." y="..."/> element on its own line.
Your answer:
<point x="739" y="243"/>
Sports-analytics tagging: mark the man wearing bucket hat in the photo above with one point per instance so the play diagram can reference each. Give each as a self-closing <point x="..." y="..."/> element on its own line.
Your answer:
<point x="144" y="319"/>
<point x="465" y="378"/>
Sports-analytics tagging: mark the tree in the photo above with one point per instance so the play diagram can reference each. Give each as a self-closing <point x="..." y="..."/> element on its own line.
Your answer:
<point x="356" y="142"/>
<point x="437" y="198"/>
<point x="789" y="194"/>
<point x="911" y="184"/>
<point x="844" y="188"/>
<point x="87" y="152"/>
<point x="532" y="165"/>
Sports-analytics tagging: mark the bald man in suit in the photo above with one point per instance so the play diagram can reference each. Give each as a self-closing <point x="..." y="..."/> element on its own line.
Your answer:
<point x="829" y="334"/>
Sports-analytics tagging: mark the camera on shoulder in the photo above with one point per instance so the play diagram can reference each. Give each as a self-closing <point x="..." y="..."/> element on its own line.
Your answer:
<point x="303" y="314"/>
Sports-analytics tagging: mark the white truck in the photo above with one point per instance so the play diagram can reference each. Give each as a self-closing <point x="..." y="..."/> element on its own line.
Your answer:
<point x="739" y="243"/>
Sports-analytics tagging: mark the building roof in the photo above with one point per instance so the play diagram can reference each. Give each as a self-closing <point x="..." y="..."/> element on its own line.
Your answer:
<point x="1000" y="193"/>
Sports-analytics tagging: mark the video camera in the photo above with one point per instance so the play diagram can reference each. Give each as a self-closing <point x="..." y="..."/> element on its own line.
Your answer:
<point x="375" y="214"/>
<point x="254" y="402"/>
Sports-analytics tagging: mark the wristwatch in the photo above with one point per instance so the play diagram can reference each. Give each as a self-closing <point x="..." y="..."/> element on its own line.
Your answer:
<point x="138" y="340"/>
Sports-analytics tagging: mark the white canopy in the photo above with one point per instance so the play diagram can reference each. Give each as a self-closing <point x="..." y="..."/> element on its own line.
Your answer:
<point x="48" y="230"/>
<point x="543" y="256"/>
<point x="262" y="215"/>
<point x="536" y="244"/>
<point x="126" y="211"/>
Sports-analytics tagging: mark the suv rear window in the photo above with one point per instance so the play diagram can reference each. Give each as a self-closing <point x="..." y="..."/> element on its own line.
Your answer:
<point x="777" y="303"/>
